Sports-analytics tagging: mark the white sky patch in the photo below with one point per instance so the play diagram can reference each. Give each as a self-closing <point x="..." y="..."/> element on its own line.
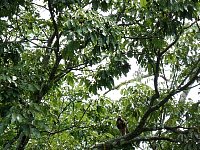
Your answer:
<point x="44" y="14"/>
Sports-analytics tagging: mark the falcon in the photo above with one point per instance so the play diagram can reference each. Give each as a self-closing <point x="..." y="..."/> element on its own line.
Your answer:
<point x="122" y="125"/>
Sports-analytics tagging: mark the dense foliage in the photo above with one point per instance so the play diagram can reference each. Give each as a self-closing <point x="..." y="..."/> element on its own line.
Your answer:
<point x="57" y="58"/>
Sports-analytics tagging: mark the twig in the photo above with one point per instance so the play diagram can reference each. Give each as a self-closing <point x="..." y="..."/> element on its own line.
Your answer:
<point x="125" y="83"/>
<point x="140" y="37"/>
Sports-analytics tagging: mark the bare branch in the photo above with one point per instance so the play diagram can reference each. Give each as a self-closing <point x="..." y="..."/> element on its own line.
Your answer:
<point x="39" y="46"/>
<point x="125" y="83"/>
<point x="141" y="37"/>
<point x="41" y="6"/>
<point x="198" y="19"/>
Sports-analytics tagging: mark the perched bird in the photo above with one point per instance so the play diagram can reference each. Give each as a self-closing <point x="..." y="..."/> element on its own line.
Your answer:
<point x="122" y="125"/>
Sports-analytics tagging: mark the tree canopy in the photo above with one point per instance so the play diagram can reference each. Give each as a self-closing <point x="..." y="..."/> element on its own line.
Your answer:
<point x="60" y="58"/>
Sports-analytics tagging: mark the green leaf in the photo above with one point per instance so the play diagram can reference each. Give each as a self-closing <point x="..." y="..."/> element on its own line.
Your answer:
<point x="14" y="117"/>
<point x="35" y="132"/>
<point x="100" y="109"/>
<point x="95" y="4"/>
<point x="2" y="127"/>
<point x="32" y="87"/>
<point x="69" y="50"/>
<point x="104" y="6"/>
<point x="93" y="38"/>
<point x="143" y="3"/>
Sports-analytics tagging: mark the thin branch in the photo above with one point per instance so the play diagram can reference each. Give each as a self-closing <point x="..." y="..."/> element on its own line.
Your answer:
<point x="127" y="24"/>
<point x="140" y="37"/>
<point x="189" y="74"/>
<point x="26" y="39"/>
<point x="63" y="109"/>
<point x="84" y="113"/>
<point x="164" y="76"/>
<point x="170" y="45"/>
<point x="136" y="22"/>
<point x="177" y="38"/>
<point x="191" y="87"/>
<point x="38" y="5"/>
<point x="75" y="125"/>
<point x="125" y="83"/>
<point x="67" y="70"/>
<point x="68" y="128"/>
<point x="192" y="24"/>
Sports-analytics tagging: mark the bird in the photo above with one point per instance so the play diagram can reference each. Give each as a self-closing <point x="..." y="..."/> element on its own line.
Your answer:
<point x="122" y="126"/>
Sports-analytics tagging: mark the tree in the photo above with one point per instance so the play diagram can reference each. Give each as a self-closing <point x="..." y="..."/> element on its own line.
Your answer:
<point x="54" y="68"/>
